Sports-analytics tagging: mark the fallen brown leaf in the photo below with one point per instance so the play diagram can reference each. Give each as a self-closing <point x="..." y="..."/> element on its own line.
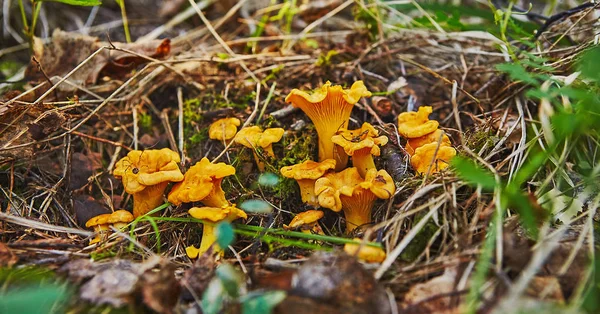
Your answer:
<point x="68" y="50"/>
<point x="7" y="257"/>
<point x="160" y="289"/>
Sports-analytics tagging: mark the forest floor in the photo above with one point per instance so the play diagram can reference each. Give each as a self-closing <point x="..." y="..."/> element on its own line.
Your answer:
<point x="511" y="225"/>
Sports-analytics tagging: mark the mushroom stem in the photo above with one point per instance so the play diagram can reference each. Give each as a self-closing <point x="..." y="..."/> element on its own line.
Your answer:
<point x="148" y="199"/>
<point x="216" y="198"/>
<point x="357" y="208"/>
<point x="363" y="161"/>
<point x="101" y="233"/>
<point x="208" y="239"/>
<point x="328" y="150"/>
<point x="307" y="191"/>
<point x="259" y="163"/>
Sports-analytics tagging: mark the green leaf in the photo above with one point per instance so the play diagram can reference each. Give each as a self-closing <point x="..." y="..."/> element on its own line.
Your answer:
<point x="469" y="171"/>
<point x="231" y="279"/>
<point x="82" y="3"/>
<point x="224" y="233"/>
<point x="213" y="297"/>
<point x="256" y="206"/>
<point x="261" y="302"/>
<point x="517" y="201"/>
<point x="589" y="65"/>
<point x="33" y="300"/>
<point x="268" y="179"/>
<point x="517" y="72"/>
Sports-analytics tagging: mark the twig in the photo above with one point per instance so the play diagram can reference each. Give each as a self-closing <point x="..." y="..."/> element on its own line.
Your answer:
<point x="41" y="225"/>
<point x="180" y="125"/>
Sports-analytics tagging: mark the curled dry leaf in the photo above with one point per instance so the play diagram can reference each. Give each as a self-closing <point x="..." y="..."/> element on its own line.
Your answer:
<point x="67" y="50"/>
<point x="434" y="295"/>
<point x="26" y="124"/>
<point x="339" y="279"/>
<point x="7" y="257"/>
<point x="160" y="289"/>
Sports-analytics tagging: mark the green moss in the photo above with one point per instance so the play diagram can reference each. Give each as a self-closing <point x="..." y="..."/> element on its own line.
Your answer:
<point x="296" y="149"/>
<point x="145" y="121"/>
<point x="420" y="241"/>
<point x="480" y="138"/>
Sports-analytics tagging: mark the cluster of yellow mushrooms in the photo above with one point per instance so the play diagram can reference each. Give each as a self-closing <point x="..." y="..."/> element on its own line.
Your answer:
<point x="327" y="183"/>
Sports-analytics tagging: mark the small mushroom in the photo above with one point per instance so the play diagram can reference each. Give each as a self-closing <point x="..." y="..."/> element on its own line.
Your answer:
<point x="414" y="143"/>
<point x="213" y="214"/>
<point x="202" y="183"/>
<point x="416" y="124"/>
<point x="306" y="174"/>
<point x="224" y="129"/>
<point x="102" y="223"/>
<point x="307" y="222"/>
<point x="329" y="108"/>
<point x="362" y="145"/>
<point x="253" y="137"/>
<point x="426" y="155"/>
<point x="366" y="253"/>
<point x="146" y="174"/>
<point x="347" y="191"/>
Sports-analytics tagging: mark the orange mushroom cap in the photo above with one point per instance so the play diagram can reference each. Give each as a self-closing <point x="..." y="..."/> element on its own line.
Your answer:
<point x="362" y="144"/>
<point x="414" y="143"/>
<point x="347" y="191"/>
<point x="214" y="214"/>
<point x="329" y="108"/>
<point x="223" y="129"/>
<point x="332" y="186"/>
<point x="253" y="137"/>
<point x="120" y="216"/>
<point x="98" y="220"/>
<point x="426" y="155"/>
<point x="306" y="174"/>
<point x="140" y="169"/>
<point x="306" y="218"/>
<point x="416" y="124"/>
<point x="200" y="182"/>
<point x="367" y="253"/>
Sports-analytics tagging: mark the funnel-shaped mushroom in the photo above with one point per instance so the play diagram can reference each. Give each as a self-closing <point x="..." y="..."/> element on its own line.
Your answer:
<point x="202" y="183"/>
<point x="426" y="155"/>
<point x="145" y="174"/>
<point x="253" y="137"/>
<point x="306" y="174"/>
<point x="102" y="223"/>
<point x="329" y="109"/>
<point x="347" y="191"/>
<point x="416" y="124"/>
<point x="414" y="143"/>
<point x="362" y="145"/>
<point x="224" y="129"/>
<point x="367" y="253"/>
<point x="307" y="222"/>
<point x="213" y="214"/>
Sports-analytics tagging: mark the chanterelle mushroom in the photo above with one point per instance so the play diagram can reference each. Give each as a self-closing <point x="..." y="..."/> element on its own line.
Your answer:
<point x="414" y="143"/>
<point x="306" y="174"/>
<point x="367" y="253"/>
<point x="347" y="191"/>
<point x="213" y="214"/>
<point x="426" y="155"/>
<point x="102" y="223"/>
<point x="416" y="124"/>
<point x="146" y="174"/>
<point x="253" y="137"/>
<point x="329" y="109"/>
<point x="362" y="145"/>
<point x="202" y="182"/>
<point x="307" y="222"/>
<point x="223" y="129"/>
